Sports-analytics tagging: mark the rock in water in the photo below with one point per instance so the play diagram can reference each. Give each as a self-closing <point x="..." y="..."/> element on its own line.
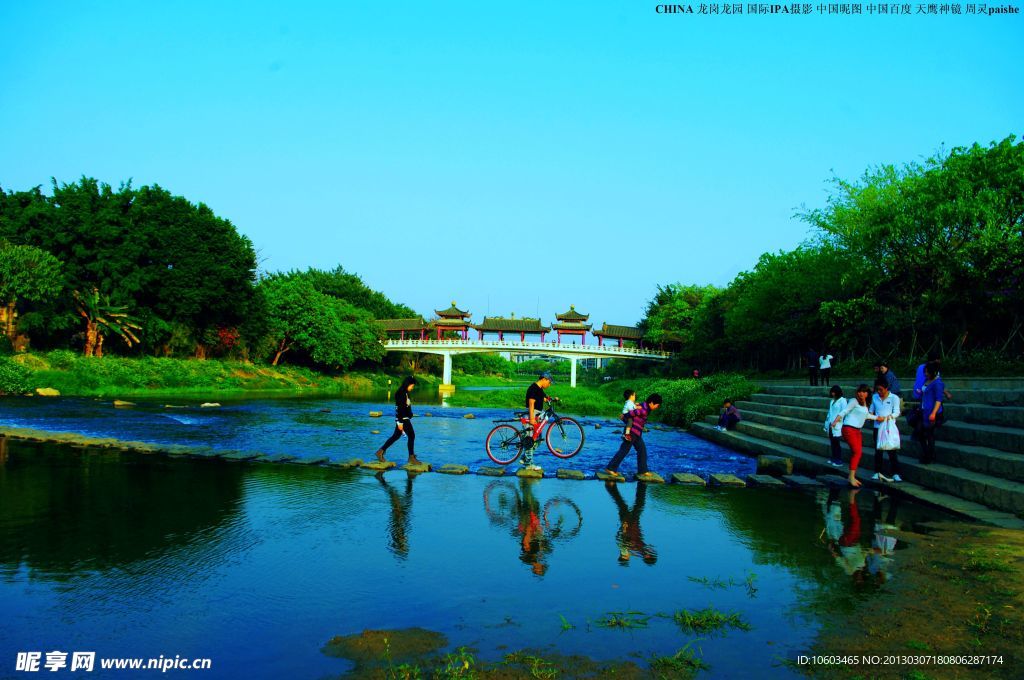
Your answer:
<point x="209" y="404"/>
<point x="687" y="478"/>
<point x="376" y="414"/>
<point x="776" y="466"/>
<point x="47" y="392"/>
<point x="118" y="403"/>
<point x="470" y="416"/>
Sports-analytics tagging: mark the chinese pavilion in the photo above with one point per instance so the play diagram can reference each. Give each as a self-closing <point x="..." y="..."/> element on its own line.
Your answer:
<point x="619" y="333"/>
<point x="572" y="323"/>
<point x="502" y="325"/>
<point x="403" y="327"/>
<point x="452" y="319"/>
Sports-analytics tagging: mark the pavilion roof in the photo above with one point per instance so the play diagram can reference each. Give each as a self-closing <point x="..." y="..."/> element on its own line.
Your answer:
<point x="452" y="311"/>
<point x="571" y="326"/>
<point x="624" y="332"/>
<point x="511" y="324"/>
<point x="403" y="324"/>
<point x="452" y="322"/>
<point x="572" y="315"/>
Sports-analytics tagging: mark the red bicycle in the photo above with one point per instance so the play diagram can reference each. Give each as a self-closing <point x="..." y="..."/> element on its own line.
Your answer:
<point x="505" y="443"/>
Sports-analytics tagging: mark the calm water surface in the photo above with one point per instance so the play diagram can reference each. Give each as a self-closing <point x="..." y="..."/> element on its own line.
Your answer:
<point x="256" y="566"/>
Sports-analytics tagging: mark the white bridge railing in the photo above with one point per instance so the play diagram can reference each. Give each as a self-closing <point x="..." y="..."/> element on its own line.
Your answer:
<point x="525" y="347"/>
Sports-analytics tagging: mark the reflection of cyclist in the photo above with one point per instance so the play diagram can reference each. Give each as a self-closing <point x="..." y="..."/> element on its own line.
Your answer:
<point x="398" y="525"/>
<point x="535" y="398"/>
<point x="629" y="537"/>
<point x="534" y="545"/>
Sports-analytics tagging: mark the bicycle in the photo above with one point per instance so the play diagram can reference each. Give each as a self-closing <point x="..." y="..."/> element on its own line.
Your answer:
<point x="505" y="443"/>
<point x="560" y="516"/>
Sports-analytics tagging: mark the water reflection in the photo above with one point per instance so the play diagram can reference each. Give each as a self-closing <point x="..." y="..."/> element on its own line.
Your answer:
<point x="846" y="542"/>
<point x="630" y="537"/>
<point x="536" y="529"/>
<point x="401" y="507"/>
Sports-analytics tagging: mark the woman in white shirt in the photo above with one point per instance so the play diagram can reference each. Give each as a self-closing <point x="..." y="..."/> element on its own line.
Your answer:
<point x="886" y="406"/>
<point x="852" y="418"/>
<point x="835" y="432"/>
<point x="825" y="368"/>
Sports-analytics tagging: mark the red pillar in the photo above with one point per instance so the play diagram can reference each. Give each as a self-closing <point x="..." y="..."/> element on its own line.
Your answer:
<point x="423" y="334"/>
<point x="559" y="337"/>
<point x="403" y="335"/>
<point x="583" y="338"/>
<point x="501" y="336"/>
<point x="542" y="337"/>
<point x="522" y="337"/>
<point x="600" y="341"/>
<point x="620" y="343"/>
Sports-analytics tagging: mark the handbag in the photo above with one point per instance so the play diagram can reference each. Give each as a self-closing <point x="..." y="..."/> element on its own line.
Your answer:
<point x="888" y="436"/>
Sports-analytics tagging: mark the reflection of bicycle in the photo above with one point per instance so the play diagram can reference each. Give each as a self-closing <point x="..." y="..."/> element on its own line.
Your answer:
<point x="505" y="443"/>
<point x="561" y="518"/>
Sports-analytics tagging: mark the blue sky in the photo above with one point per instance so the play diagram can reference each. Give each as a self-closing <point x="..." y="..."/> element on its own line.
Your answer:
<point x="496" y="153"/>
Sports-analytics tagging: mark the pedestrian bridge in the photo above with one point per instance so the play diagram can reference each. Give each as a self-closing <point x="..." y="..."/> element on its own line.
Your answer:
<point x="449" y="347"/>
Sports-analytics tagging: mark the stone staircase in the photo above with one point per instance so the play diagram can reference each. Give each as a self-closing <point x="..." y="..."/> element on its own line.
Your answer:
<point x="979" y="468"/>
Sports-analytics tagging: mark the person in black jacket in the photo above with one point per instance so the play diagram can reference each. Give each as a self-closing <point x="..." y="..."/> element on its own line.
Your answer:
<point x="403" y="421"/>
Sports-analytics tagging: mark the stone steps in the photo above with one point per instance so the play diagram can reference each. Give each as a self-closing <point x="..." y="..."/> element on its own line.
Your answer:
<point x="977" y="458"/>
<point x="983" y="414"/>
<point x="1002" y="494"/>
<point x="997" y="396"/>
<point x="958" y="382"/>
<point x="814" y="463"/>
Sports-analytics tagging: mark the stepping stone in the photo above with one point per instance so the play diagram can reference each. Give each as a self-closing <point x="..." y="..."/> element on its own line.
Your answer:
<point x="428" y="415"/>
<point x="451" y="469"/>
<point x="316" y="460"/>
<point x="491" y="471"/>
<point x="240" y="455"/>
<point x="469" y="416"/>
<point x="209" y="404"/>
<point x="563" y="473"/>
<point x="605" y="477"/>
<point x="727" y="480"/>
<point x="650" y="478"/>
<point x="376" y="414"/>
<point x="417" y="467"/>
<point x="834" y="480"/>
<point x="800" y="481"/>
<point x="764" y="480"/>
<point x="374" y="431"/>
<point x="278" y="458"/>
<point x="529" y="474"/>
<point x="118" y="403"/>
<point x="205" y="452"/>
<point x="597" y="426"/>
<point x="378" y="465"/>
<point x="687" y="478"/>
<point x="774" y="465"/>
<point x="345" y="464"/>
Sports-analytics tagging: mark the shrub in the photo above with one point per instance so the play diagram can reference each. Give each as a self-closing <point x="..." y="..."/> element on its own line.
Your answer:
<point x="14" y="378"/>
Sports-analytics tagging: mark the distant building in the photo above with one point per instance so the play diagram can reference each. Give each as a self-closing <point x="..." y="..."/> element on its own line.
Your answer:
<point x="500" y="325"/>
<point x="572" y="323"/>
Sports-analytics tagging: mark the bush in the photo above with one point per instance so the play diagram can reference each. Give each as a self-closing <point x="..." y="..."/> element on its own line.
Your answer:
<point x="14" y="378"/>
<point x="62" y="359"/>
<point x="688" y="400"/>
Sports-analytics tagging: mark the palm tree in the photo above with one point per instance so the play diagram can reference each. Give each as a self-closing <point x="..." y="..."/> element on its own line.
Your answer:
<point x="102" y="318"/>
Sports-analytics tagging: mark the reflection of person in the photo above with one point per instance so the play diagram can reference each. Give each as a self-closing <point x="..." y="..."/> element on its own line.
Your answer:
<point x="883" y="546"/>
<point x="849" y="554"/>
<point x="535" y="398"/>
<point x="534" y="544"/>
<point x="398" y="525"/>
<point x="403" y="421"/>
<point x="629" y="537"/>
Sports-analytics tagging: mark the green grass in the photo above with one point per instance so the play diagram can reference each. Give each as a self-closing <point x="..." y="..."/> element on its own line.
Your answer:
<point x="682" y="664"/>
<point x="708" y="620"/>
<point x="623" y="620"/>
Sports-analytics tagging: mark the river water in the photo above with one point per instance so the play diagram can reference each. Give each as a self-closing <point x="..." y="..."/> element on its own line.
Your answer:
<point x="257" y="566"/>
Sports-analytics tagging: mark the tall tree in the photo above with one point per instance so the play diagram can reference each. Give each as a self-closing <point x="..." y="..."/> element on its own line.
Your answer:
<point x="26" y="274"/>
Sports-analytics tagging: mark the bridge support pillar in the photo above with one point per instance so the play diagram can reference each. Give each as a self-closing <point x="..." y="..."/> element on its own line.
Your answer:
<point x="446" y="375"/>
<point x="572" y="373"/>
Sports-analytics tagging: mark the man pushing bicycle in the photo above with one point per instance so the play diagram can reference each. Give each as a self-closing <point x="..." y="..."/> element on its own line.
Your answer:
<point x="535" y="399"/>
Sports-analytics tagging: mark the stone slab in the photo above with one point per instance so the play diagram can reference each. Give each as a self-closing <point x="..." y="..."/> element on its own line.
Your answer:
<point x="491" y="471"/>
<point x="764" y="480"/>
<point x="650" y="478"/>
<point x="119" y="403"/>
<point x="564" y="473"/>
<point x="774" y="465"/>
<point x="417" y="467"/>
<point x="529" y="474"/>
<point x="376" y="414"/>
<point x="687" y="478"/>
<point x="315" y="460"/>
<point x="378" y="465"/>
<point x="833" y="480"/>
<point x="279" y="458"/>
<point x="605" y="477"/>
<point x="451" y="469"/>
<point x="346" y="464"/>
<point x="800" y="481"/>
<point x="469" y="416"/>
<point x="727" y="480"/>
<point x="205" y="452"/>
<point x="240" y="455"/>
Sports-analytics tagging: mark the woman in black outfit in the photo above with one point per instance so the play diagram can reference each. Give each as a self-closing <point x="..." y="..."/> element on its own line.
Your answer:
<point x="403" y="421"/>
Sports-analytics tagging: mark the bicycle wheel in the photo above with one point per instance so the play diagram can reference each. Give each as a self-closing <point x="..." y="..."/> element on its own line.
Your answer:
<point x="565" y="437"/>
<point x="503" y="444"/>
<point x="562" y="517"/>
<point x="500" y="501"/>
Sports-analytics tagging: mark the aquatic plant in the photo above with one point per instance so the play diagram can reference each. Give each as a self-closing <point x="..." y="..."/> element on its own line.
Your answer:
<point x="538" y="666"/>
<point x="683" y="664"/>
<point x="457" y="664"/>
<point x="565" y="623"/>
<point x="623" y="620"/>
<point x="708" y="619"/>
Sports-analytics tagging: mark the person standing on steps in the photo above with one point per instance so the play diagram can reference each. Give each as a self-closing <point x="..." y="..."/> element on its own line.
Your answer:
<point x="811" y="359"/>
<point x="403" y="422"/>
<point x="931" y="416"/>
<point x="852" y="418"/>
<point x="835" y="432"/>
<point x="825" y="368"/>
<point x="886" y="406"/>
<point x="535" y="398"/>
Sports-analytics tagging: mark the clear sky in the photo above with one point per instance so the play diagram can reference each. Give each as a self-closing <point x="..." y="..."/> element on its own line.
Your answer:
<point x="495" y="153"/>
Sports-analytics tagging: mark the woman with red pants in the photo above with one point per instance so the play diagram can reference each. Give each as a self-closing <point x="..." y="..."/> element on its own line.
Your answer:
<point x="853" y="417"/>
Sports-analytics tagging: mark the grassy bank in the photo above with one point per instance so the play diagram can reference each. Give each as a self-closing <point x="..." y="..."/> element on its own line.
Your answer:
<point x="74" y="375"/>
<point x="685" y="401"/>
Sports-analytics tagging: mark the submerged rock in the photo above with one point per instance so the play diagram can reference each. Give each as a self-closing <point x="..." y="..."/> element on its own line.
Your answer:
<point x="687" y="478"/>
<point x="209" y="404"/>
<point x="529" y="474"/>
<point x="377" y="646"/>
<point x="564" y="473"/>
<point x="764" y="480"/>
<point x="417" y="467"/>
<point x="376" y="414"/>
<point x="650" y="478"/>
<point x="345" y="464"/>
<point x="47" y="392"/>
<point x="469" y="416"/>
<point x="614" y="477"/>
<point x="119" y="403"/>
<point x="452" y="469"/>
<point x="727" y="480"/>
<point x="374" y="431"/>
<point x="774" y="465"/>
<point x="378" y="465"/>
<point x="491" y="471"/>
<point x="800" y="481"/>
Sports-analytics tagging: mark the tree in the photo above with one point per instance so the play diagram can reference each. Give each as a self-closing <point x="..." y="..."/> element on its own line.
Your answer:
<point x="103" y="318"/>
<point x="26" y="273"/>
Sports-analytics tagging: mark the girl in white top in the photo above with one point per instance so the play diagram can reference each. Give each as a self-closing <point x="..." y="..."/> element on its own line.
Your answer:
<point x="852" y="418"/>
<point x="835" y="431"/>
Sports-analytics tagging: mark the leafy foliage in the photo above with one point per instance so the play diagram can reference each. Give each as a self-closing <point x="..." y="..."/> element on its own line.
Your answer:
<point x="14" y="378"/>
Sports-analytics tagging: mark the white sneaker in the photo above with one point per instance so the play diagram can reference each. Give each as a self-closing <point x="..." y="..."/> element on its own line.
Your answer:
<point x="875" y="477"/>
<point x="533" y="467"/>
<point x="834" y="464"/>
<point x="896" y="478"/>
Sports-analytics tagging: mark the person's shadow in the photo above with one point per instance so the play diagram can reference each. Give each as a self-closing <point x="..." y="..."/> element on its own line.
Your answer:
<point x="398" y="523"/>
<point x="630" y="537"/>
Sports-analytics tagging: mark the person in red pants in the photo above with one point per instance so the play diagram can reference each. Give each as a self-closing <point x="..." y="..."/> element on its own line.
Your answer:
<point x="852" y="418"/>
